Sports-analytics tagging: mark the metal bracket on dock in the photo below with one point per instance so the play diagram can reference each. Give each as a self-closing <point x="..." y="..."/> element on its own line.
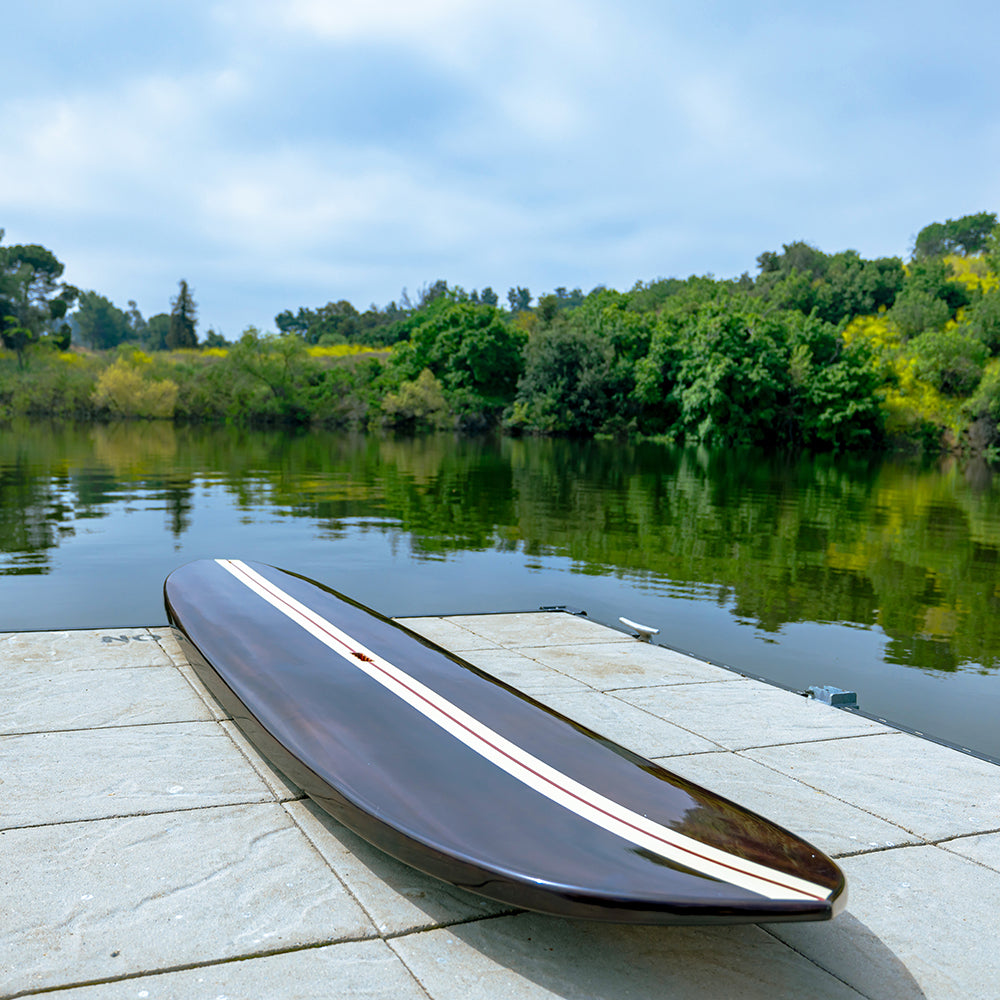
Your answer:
<point x="830" y="695"/>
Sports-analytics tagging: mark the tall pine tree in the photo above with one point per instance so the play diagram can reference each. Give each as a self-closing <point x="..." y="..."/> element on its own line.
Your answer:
<point x="183" y="320"/>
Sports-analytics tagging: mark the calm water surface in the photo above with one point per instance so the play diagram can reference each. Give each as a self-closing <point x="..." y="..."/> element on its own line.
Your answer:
<point x="876" y="576"/>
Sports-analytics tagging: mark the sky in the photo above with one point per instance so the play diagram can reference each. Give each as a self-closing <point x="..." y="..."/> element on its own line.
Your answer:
<point x="285" y="153"/>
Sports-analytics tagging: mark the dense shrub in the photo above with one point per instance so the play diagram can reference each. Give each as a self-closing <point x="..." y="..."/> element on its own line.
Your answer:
<point x="951" y="360"/>
<point x="568" y="385"/>
<point x="57" y="385"/>
<point x="916" y="311"/>
<point x="125" y="390"/>
<point x="471" y="350"/>
<point x="419" y="404"/>
<point x="983" y="320"/>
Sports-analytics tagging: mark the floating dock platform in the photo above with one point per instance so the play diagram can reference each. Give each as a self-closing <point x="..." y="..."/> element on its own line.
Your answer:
<point x="148" y="852"/>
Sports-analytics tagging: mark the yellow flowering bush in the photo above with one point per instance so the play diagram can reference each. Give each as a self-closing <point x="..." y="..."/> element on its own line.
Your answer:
<point x="878" y="332"/>
<point x="912" y="401"/>
<point x="125" y="391"/>
<point x="343" y="350"/>
<point x="972" y="272"/>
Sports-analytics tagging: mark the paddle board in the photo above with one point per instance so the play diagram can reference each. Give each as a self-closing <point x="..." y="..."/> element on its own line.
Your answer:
<point x="468" y="779"/>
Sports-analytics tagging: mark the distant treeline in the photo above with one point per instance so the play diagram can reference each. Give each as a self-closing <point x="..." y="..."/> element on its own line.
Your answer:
<point x="818" y="350"/>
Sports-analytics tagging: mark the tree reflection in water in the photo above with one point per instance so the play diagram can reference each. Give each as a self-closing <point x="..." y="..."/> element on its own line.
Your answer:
<point x="912" y="548"/>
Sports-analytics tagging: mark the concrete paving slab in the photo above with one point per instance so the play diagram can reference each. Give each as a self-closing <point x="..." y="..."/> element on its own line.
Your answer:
<point x="921" y="786"/>
<point x="445" y="632"/>
<point x="166" y="637"/>
<point x="48" y="699"/>
<point x="359" y="970"/>
<point x="88" y="901"/>
<point x="92" y="774"/>
<point x="610" y="665"/>
<point x="522" y="671"/>
<point x="921" y="906"/>
<point x="282" y="787"/>
<point x="83" y="649"/>
<point x="397" y="898"/>
<point x="182" y="818"/>
<point x="537" y="628"/>
<point x="742" y="713"/>
<point x="633" y="728"/>
<point x="834" y="826"/>
<point x="983" y="849"/>
<point x="528" y="957"/>
<point x="215" y="710"/>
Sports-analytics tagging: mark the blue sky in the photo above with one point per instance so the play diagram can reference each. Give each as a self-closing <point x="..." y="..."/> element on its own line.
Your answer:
<point x="285" y="153"/>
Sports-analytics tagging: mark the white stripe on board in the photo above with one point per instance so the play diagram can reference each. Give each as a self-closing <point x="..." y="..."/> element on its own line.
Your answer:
<point x="533" y="772"/>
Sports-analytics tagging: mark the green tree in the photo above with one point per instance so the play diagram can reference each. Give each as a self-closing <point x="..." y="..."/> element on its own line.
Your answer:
<point x="558" y="301"/>
<point x="157" y="332"/>
<point x="470" y="349"/>
<point x="656" y="377"/>
<point x="334" y="323"/>
<point x="732" y="379"/>
<point x="6" y="278"/>
<point x="137" y="325"/>
<point x="833" y="394"/>
<point x="932" y="276"/>
<point x="33" y="301"/>
<point x="931" y="241"/>
<point x="431" y="293"/>
<point x="966" y="235"/>
<point x="100" y="323"/>
<point x="991" y="249"/>
<point x="985" y="401"/>
<point x="838" y="286"/>
<point x="548" y="309"/>
<point x="983" y="320"/>
<point x="519" y="299"/>
<point x="214" y="339"/>
<point x="279" y="364"/>
<point x="183" y="319"/>
<point x="951" y="360"/>
<point x="568" y="382"/>
<point x="651" y="296"/>
<point x="916" y="310"/>
<point x="340" y="323"/>
<point x="853" y="286"/>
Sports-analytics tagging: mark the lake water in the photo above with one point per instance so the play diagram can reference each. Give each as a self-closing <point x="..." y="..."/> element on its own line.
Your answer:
<point x="879" y="576"/>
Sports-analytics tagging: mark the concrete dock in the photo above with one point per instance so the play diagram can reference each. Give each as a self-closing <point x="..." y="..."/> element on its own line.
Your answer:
<point x="146" y="851"/>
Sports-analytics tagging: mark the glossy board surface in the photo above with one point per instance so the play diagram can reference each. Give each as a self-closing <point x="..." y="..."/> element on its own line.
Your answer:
<point x="466" y="778"/>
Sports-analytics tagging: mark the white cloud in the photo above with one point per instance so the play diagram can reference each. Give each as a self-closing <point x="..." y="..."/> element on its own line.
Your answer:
<point x="312" y="149"/>
<point x="90" y="153"/>
<point x="523" y="61"/>
<point x="347" y="20"/>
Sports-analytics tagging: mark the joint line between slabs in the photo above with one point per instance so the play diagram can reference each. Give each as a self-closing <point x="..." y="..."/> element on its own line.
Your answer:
<point x="812" y="961"/>
<point x="185" y="967"/>
<point x="142" y="815"/>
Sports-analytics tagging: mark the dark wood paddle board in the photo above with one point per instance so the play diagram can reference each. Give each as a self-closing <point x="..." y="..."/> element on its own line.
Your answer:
<point x="464" y="777"/>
